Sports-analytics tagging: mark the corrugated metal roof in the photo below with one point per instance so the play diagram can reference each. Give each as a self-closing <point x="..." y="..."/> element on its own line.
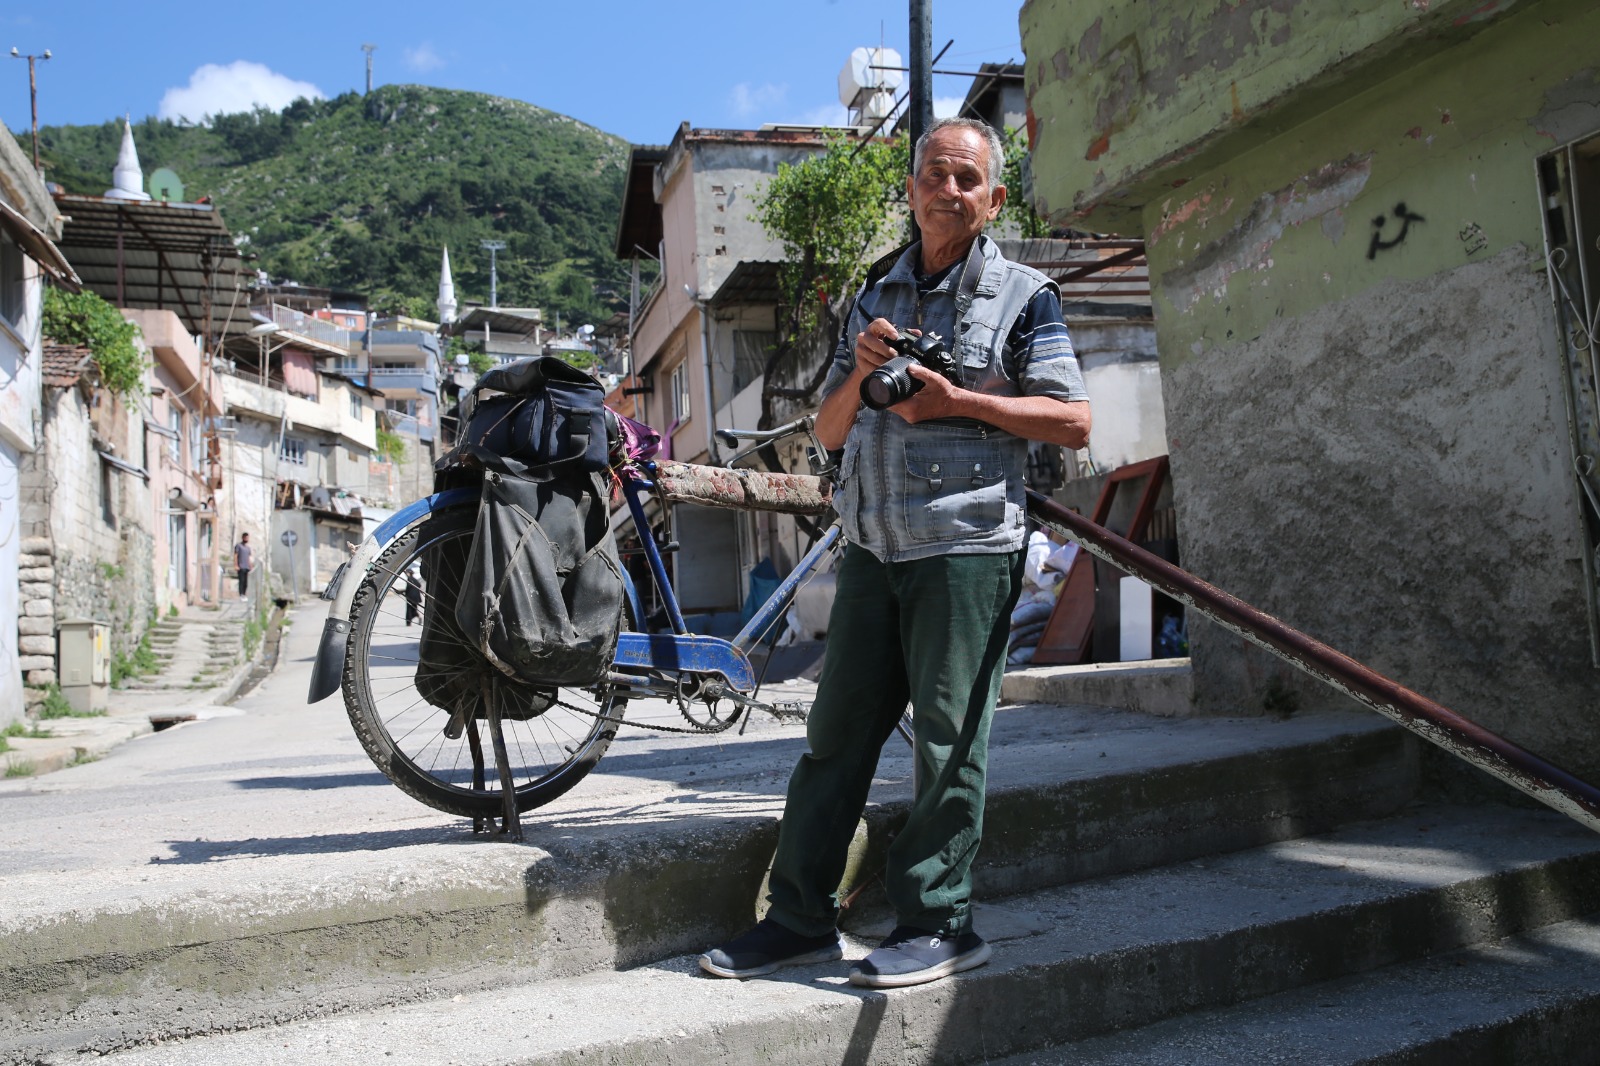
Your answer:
<point x="749" y="282"/>
<point x="38" y="247"/>
<point x="172" y="256"/>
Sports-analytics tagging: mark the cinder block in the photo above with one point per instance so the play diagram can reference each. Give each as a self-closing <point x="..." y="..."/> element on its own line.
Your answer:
<point x="40" y="678"/>
<point x="26" y="663"/>
<point x="37" y="546"/>
<point x="33" y="627"/>
<point x="38" y="608"/>
<point x="37" y="573"/>
<point x="36" y="590"/>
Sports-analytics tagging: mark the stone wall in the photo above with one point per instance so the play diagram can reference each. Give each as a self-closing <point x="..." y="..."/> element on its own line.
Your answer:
<point x="87" y="547"/>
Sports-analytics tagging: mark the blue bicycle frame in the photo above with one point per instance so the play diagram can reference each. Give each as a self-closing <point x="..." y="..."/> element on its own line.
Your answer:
<point x="678" y="652"/>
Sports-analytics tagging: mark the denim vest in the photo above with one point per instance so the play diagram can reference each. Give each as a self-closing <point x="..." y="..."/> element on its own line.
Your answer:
<point x="954" y="486"/>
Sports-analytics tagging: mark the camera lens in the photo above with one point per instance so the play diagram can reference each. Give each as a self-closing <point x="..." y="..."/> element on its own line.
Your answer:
<point x="889" y="384"/>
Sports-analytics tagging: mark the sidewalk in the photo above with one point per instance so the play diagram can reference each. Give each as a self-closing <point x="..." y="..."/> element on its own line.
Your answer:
<point x="130" y="712"/>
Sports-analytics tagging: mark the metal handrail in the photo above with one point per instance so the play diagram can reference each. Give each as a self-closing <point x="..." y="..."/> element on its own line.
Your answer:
<point x="1433" y="722"/>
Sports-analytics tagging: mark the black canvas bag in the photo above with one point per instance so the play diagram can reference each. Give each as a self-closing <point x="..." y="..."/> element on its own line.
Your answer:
<point x="543" y="596"/>
<point x="541" y="587"/>
<point x="549" y="418"/>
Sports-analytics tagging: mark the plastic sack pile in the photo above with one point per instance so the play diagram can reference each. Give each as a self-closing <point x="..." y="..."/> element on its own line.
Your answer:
<point x="1044" y="574"/>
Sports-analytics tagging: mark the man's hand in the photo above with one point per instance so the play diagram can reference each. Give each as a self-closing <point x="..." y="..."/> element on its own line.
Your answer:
<point x="936" y="399"/>
<point x="872" y="346"/>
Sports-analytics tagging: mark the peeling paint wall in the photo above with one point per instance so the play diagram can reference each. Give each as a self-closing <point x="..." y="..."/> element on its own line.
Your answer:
<point x="1360" y="367"/>
<point x="1132" y="100"/>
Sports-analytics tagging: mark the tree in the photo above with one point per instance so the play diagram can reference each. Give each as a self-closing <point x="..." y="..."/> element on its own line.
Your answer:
<point x="1016" y="176"/>
<point x="833" y="213"/>
<point x="87" y="319"/>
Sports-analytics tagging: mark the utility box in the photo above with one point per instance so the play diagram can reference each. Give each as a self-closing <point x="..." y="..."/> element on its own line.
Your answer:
<point x="83" y="659"/>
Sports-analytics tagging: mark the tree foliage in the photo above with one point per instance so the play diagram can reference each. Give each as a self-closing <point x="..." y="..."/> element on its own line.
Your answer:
<point x="1017" y="179"/>
<point x="362" y="192"/>
<point x="85" y="318"/>
<point x="833" y="213"/>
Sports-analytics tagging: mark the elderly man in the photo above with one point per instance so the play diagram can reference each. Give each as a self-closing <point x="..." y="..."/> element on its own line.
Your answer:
<point x="930" y="493"/>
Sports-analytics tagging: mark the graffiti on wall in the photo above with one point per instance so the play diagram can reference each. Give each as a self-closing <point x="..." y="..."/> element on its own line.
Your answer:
<point x="1405" y="217"/>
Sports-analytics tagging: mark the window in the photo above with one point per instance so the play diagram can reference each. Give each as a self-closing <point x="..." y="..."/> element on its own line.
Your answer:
<point x="196" y="444"/>
<point x="1570" y="181"/>
<point x="680" y="394"/>
<point x="356" y="407"/>
<point x="175" y="442"/>
<point x="751" y="350"/>
<point x="293" y="450"/>
<point x="108" y="495"/>
<point x="13" y="305"/>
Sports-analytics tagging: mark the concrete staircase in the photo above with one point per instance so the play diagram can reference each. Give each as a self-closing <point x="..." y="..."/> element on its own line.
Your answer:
<point x="195" y="650"/>
<point x="1158" y="891"/>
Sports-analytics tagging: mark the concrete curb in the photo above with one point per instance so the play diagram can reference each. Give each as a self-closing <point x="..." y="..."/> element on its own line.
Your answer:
<point x="1163" y="687"/>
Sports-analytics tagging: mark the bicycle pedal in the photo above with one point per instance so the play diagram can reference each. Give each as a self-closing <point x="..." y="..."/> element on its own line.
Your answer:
<point x="796" y="709"/>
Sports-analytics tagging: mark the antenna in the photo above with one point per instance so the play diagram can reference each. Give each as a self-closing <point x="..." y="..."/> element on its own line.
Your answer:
<point x="369" y="49"/>
<point x="494" y="278"/>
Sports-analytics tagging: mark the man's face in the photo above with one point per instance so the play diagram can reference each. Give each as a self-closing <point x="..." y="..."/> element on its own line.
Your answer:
<point x="950" y="195"/>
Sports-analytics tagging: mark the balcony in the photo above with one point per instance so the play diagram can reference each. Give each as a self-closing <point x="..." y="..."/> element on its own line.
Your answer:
<point x="398" y="381"/>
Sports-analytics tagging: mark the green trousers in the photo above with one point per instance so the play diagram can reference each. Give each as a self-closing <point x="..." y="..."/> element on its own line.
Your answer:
<point x="931" y="632"/>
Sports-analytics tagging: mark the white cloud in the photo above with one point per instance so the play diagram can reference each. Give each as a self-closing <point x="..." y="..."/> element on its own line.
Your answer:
<point x="947" y="106"/>
<point x="225" y="90"/>
<point x="423" y="58"/>
<point x="746" y="99"/>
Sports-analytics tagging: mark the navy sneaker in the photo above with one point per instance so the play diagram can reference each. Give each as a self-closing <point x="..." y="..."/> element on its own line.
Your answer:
<point x="768" y="947"/>
<point x="915" y="956"/>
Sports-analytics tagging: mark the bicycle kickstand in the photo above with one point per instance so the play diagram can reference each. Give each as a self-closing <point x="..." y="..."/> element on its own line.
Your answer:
<point x="510" y="820"/>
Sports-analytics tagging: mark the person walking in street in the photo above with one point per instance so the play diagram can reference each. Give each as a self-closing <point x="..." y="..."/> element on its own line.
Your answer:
<point x="243" y="560"/>
<point x="930" y="494"/>
<point x="413" y="594"/>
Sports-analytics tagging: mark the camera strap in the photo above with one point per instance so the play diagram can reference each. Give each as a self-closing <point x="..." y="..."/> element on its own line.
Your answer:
<point x="966" y="289"/>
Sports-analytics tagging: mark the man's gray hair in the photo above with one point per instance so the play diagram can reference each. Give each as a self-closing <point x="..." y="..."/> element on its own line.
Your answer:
<point x="997" y="147"/>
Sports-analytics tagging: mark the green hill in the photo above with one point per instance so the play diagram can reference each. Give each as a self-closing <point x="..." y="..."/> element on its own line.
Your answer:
<point x="361" y="192"/>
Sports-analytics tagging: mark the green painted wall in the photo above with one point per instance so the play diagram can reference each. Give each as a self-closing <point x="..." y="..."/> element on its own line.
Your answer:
<point x="1133" y="99"/>
<point x="1372" y="447"/>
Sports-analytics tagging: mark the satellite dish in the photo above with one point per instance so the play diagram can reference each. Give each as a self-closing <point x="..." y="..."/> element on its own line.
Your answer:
<point x="164" y="185"/>
<point x="586" y="331"/>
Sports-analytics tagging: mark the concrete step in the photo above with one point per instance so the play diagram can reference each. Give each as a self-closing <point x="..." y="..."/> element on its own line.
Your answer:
<point x="1075" y="793"/>
<point x="1532" y="999"/>
<point x="1294" y="921"/>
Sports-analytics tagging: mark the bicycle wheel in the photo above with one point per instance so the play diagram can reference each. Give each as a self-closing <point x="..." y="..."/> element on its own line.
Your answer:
<point x="553" y="736"/>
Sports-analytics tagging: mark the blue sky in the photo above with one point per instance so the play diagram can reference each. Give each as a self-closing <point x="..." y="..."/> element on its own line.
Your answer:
<point x="632" y="69"/>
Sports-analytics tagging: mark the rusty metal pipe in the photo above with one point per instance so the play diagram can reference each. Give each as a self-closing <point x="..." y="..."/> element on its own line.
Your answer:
<point x="1465" y="739"/>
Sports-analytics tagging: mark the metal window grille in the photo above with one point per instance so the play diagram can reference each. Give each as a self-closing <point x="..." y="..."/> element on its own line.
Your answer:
<point x="1569" y="179"/>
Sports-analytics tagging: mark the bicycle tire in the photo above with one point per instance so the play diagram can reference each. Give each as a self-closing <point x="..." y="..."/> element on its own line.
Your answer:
<point x="404" y="734"/>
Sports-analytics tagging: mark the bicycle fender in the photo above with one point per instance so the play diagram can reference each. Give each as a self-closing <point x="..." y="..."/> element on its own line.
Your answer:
<point x="328" y="667"/>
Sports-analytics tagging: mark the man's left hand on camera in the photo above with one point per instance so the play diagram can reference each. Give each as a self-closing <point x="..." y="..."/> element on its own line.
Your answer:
<point x="936" y="399"/>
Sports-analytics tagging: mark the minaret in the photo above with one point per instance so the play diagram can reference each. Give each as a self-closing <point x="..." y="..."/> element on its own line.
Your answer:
<point x="447" y="292"/>
<point x="128" y="177"/>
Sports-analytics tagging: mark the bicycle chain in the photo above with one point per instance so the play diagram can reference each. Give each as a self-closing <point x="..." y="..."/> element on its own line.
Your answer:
<point x="695" y="728"/>
<point x="781" y="711"/>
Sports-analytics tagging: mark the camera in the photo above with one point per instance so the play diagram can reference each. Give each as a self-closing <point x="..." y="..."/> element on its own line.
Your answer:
<point x="892" y="382"/>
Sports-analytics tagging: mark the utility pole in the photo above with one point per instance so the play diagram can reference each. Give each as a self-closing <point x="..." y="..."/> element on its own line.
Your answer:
<point x="369" y="49"/>
<point x="33" y="98"/>
<point x="494" y="278"/>
<point x="920" y="107"/>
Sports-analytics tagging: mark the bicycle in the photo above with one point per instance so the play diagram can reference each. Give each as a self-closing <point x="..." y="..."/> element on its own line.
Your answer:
<point x="544" y="741"/>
